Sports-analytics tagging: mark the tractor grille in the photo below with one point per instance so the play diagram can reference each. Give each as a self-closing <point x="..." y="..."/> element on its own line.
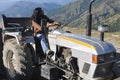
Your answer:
<point x="103" y="70"/>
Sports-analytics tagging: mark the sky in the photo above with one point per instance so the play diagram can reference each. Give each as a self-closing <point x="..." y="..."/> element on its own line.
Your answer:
<point x="4" y="4"/>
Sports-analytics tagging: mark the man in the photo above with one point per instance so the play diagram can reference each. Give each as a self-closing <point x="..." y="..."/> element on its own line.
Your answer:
<point x="37" y="17"/>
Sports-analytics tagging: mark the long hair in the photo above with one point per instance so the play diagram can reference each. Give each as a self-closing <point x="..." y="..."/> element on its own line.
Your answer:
<point x="37" y="13"/>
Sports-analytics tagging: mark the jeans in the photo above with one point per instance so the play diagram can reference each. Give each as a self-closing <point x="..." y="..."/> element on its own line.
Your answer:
<point x="43" y="42"/>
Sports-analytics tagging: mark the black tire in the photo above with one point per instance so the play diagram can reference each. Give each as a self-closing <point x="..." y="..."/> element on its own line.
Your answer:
<point x="17" y="60"/>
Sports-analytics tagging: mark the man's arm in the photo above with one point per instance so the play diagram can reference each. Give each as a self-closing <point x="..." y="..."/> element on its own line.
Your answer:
<point x="36" y="26"/>
<point x="51" y="22"/>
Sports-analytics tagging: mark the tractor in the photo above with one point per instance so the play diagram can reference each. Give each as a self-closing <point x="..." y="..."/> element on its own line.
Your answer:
<point x="77" y="57"/>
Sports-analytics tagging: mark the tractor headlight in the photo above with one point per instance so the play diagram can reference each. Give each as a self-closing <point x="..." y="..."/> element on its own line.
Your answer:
<point x="112" y="55"/>
<point x="98" y="59"/>
<point x="103" y="58"/>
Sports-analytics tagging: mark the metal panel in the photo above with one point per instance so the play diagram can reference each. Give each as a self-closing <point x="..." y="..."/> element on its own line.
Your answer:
<point x="86" y="68"/>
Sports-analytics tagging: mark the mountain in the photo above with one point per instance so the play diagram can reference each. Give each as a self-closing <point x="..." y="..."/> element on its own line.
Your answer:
<point x="75" y="14"/>
<point x="61" y="2"/>
<point x="25" y="8"/>
<point x="71" y="11"/>
<point x="6" y="4"/>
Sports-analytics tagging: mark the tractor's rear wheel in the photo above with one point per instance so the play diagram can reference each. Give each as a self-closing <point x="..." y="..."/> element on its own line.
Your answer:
<point x="17" y="60"/>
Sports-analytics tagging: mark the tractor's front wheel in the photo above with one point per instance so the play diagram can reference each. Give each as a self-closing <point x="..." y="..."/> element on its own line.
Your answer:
<point x="17" y="60"/>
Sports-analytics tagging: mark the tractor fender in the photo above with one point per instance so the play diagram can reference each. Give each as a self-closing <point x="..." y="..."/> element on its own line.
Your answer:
<point x="16" y="35"/>
<point x="9" y="35"/>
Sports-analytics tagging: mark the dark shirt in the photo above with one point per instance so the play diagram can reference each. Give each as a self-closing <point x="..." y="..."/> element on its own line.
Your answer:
<point x="38" y="19"/>
<point x="42" y="21"/>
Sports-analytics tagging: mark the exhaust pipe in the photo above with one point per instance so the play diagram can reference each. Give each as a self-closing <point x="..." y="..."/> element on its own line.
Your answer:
<point x="89" y="19"/>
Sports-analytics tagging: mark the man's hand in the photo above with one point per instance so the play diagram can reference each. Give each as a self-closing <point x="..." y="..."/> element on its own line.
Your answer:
<point x="55" y="23"/>
<point x="37" y="27"/>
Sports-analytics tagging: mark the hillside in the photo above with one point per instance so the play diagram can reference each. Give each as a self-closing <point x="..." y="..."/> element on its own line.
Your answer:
<point x="104" y="11"/>
<point x="25" y="8"/>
